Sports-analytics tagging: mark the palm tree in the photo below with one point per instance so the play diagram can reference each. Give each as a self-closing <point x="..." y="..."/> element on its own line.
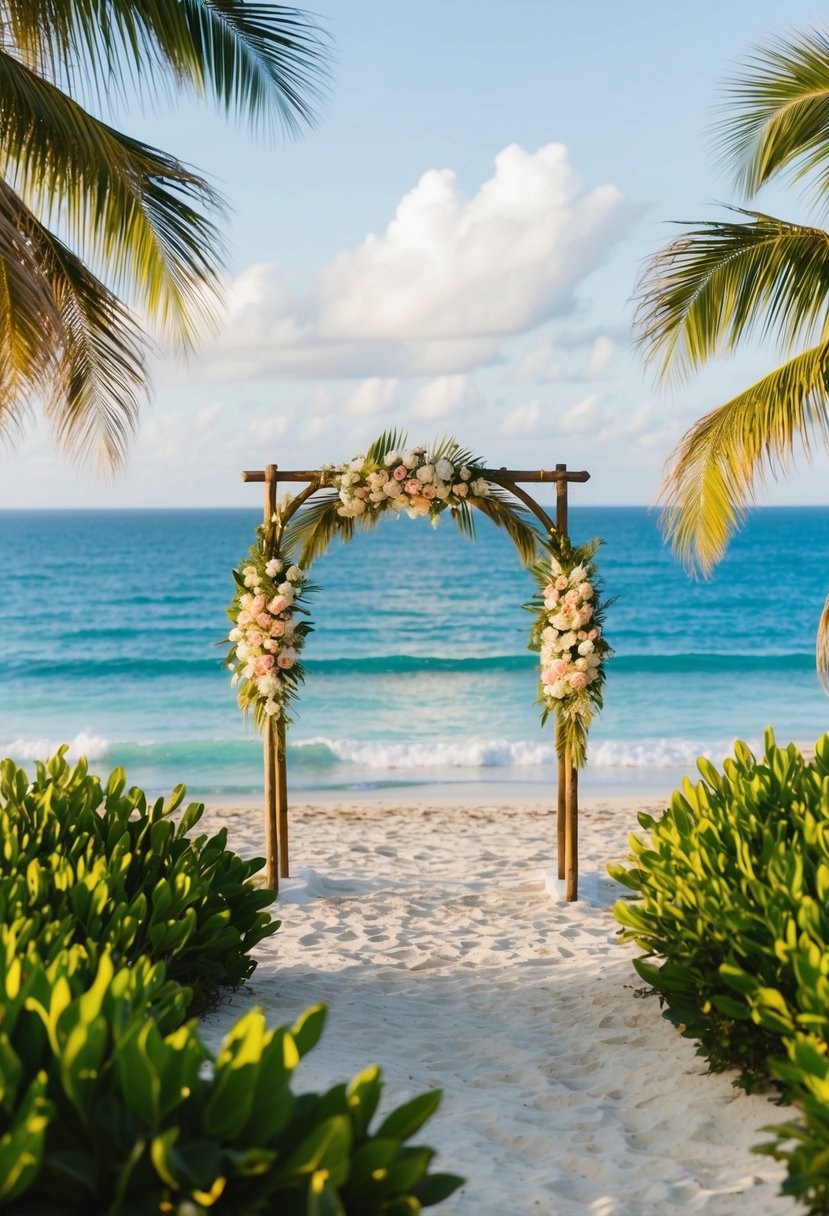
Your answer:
<point x="722" y="283"/>
<point x="97" y="228"/>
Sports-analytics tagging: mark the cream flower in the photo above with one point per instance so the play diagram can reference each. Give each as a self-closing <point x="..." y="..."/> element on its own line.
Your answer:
<point x="445" y="469"/>
<point x="273" y="567"/>
<point x="294" y="574"/>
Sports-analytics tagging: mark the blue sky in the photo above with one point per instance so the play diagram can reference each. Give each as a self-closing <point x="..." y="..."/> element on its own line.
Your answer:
<point x="452" y="250"/>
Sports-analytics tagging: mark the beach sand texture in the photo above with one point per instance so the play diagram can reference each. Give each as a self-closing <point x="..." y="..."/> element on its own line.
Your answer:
<point x="429" y="934"/>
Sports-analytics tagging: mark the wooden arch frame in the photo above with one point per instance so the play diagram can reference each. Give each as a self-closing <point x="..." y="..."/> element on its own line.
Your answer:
<point x="275" y="748"/>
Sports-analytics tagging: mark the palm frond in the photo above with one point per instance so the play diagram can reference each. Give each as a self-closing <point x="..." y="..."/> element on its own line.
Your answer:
<point x="390" y="441"/>
<point x="465" y="520"/>
<point x="719" y="283"/>
<point x="261" y="60"/>
<point x="505" y="513"/>
<point x="779" y="115"/>
<point x="30" y="323"/>
<point x="714" y="471"/>
<point x="822" y="650"/>
<point x="311" y="531"/>
<point x="90" y="369"/>
<point x="135" y="210"/>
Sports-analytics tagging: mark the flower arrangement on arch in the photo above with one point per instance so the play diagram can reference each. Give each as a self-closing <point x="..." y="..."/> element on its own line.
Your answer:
<point x="418" y="481"/>
<point x="568" y="633"/>
<point x="268" y="632"/>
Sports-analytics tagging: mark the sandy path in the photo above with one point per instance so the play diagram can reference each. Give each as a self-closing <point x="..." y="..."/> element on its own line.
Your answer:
<point x="429" y="935"/>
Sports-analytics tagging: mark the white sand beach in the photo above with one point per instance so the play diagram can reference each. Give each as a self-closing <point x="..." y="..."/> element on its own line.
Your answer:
<point x="428" y="932"/>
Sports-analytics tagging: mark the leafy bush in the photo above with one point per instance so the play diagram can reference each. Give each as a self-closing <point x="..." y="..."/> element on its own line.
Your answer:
<point x="733" y="897"/>
<point x="97" y="866"/>
<point x="105" y="1107"/>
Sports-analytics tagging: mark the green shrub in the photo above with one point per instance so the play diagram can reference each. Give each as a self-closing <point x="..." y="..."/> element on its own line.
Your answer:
<point x="107" y="1108"/>
<point x="733" y="904"/>
<point x="97" y="866"/>
<point x="803" y="1144"/>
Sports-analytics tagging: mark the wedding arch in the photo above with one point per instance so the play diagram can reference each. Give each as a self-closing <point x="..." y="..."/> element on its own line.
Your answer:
<point x="270" y="608"/>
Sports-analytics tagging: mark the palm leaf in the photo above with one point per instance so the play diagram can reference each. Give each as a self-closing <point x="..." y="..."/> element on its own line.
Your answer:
<point x="718" y="284"/>
<point x="714" y="471"/>
<point x="131" y="207"/>
<point x="823" y="646"/>
<point x="502" y="509"/>
<point x="390" y="441"/>
<point x="262" y="60"/>
<point x="780" y="104"/>
<point x="67" y="339"/>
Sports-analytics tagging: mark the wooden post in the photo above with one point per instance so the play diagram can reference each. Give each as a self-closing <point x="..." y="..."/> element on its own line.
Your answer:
<point x="571" y="847"/>
<point x="561" y="815"/>
<point x="282" y="798"/>
<point x="271" y="738"/>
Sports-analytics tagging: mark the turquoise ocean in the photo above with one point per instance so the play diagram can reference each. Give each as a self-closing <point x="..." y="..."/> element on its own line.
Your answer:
<point x="418" y="670"/>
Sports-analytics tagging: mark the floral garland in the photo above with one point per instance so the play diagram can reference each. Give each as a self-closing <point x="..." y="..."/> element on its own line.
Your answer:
<point x="568" y="634"/>
<point x="419" y="482"/>
<point x="266" y="637"/>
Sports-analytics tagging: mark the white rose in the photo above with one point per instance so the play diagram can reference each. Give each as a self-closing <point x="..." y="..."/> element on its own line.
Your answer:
<point x="586" y="647"/>
<point x="392" y="489"/>
<point x="582" y="665"/>
<point x="480" y="487"/>
<point x="561" y="621"/>
<point x="287" y="590"/>
<point x="271" y="709"/>
<point x="273" y="568"/>
<point x="465" y="473"/>
<point x="568" y="640"/>
<point x="235" y="635"/>
<point x="425" y="473"/>
<point x="294" y="574"/>
<point x="442" y="490"/>
<point x="409" y="460"/>
<point x="585" y="590"/>
<point x="356" y="465"/>
<point x="391" y="458"/>
<point x="445" y="470"/>
<point x="578" y="575"/>
<point x="242" y="652"/>
<point x="558" y="690"/>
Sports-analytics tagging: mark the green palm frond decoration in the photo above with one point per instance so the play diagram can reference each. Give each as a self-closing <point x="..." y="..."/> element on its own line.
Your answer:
<point x="723" y="283"/>
<point x="500" y="507"/>
<point x="138" y="227"/>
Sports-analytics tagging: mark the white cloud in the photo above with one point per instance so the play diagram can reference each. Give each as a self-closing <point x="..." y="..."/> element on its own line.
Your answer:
<point x="599" y="359"/>
<point x="522" y="420"/>
<point x="581" y="416"/>
<point x="440" y="397"/>
<point x="372" y="396"/>
<point x="438" y="292"/>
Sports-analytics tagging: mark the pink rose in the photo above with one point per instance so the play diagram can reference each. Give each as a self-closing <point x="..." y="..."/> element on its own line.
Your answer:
<point x="285" y="661"/>
<point x="593" y="634"/>
<point x="572" y="597"/>
<point x="277" y="629"/>
<point x="559" y="668"/>
<point x="400" y="473"/>
<point x="263" y="620"/>
<point x="586" y="614"/>
<point x="582" y="636"/>
<point x="548" y="677"/>
<point x="257" y="605"/>
<point x="561" y="583"/>
<point x="272" y="645"/>
<point x="263" y="664"/>
<point x="461" y="489"/>
<point x="412" y="487"/>
<point x="255" y="638"/>
<point x="578" y="679"/>
<point x="428" y="492"/>
<point x="278" y="604"/>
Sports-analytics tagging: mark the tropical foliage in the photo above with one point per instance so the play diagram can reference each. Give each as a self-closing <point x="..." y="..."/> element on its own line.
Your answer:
<point x="101" y="868"/>
<point x="724" y="282"/>
<point x="731" y="913"/>
<point x="109" y="1100"/>
<point x="96" y="227"/>
<point x="568" y="634"/>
